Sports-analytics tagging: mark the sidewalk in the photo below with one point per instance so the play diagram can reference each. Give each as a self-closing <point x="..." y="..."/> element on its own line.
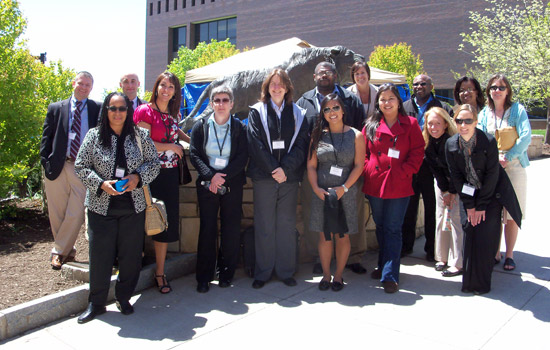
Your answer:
<point x="429" y="311"/>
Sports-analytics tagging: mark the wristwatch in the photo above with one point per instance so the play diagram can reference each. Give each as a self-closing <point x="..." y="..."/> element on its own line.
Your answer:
<point x="345" y="188"/>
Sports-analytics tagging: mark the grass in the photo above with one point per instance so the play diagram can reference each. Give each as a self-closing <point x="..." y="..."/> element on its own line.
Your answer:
<point x="539" y="132"/>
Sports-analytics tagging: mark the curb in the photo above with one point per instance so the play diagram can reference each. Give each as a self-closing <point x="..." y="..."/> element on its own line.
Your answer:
<point x="36" y="313"/>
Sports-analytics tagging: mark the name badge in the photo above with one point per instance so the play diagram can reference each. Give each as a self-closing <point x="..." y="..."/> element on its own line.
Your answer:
<point x="119" y="172"/>
<point x="72" y="135"/>
<point x="468" y="189"/>
<point x="336" y="170"/>
<point x="279" y="144"/>
<point x="393" y="153"/>
<point x="220" y="162"/>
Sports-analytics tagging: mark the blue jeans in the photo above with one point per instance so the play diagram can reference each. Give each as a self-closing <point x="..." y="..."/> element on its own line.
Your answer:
<point x="388" y="215"/>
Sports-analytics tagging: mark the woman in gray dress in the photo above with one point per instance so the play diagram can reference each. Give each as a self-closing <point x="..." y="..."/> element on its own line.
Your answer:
<point x="336" y="158"/>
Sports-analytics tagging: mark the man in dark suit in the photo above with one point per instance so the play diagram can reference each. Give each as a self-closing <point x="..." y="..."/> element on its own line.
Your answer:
<point x="325" y="78"/>
<point x="130" y="85"/>
<point x="423" y="182"/>
<point x="65" y="126"/>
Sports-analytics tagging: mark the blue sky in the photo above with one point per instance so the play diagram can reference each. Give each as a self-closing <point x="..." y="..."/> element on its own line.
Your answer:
<point x="104" y="37"/>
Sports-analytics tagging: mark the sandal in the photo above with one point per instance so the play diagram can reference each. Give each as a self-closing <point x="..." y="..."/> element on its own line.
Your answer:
<point x="509" y="264"/>
<point x="497" y="261"/>
<point x="164" y="288"/>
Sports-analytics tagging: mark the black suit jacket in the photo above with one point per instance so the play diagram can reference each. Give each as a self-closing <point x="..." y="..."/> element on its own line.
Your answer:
<point x="412" y="110"/>
<point x="53" y="146"/>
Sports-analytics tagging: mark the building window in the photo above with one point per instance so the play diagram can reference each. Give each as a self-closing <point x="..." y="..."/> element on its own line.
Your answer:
<point x="184" y="4"/>
<point x="219" y="30"/>
<point x="158" y="8"/>
<point x="179" y="39"/>
<point x="150" y="9"/>
<point x="192" y="2"/>
<point x="175" y="5"/>
<point x="167" y="5"/>
<point x="202" y="2"/>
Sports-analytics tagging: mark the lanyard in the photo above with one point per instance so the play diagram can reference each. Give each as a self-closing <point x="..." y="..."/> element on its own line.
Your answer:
<point x="334" y="145"/>
<point x="218" y="140"/>
<point x="495" y="115"/>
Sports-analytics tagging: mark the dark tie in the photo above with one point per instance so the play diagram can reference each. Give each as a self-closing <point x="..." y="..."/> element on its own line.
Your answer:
<point x="75" y="128"/>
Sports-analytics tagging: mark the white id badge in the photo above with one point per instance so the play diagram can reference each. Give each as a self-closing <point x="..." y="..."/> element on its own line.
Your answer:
<point x="72" y="135"/>
<point x="468" y="189"/>
<point x="119" y="172"/>
<point x="393" y="153"/>
<point x="220" y="162"/>
<point x="279" y="144"/>
<point x="336" y="170"/>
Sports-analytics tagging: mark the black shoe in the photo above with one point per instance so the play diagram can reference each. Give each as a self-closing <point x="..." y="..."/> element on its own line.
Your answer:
<point x="440" y="266"/>
<point x="317" y="269"/>
<point x="203" y="287"/>
<point x="448" y="273"/>
<point x="357" y="268"/>
<point x="390" y="286"/>
<point x="124" y="307"/>
<point x="376" y="274"/>
<point x="257" y="284"/>
<point x="405" y="252"/>
<point x="337" y="286"/>
<point x="430" y="257"/>
<point x="290" y="282"/>
<point x="324" y="285"/>
<point x="224" y="284"/>
<point x="90" y="313"/>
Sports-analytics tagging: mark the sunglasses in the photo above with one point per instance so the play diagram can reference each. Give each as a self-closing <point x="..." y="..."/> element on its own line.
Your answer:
<point x="420" y="84"/>
<point x="115" y="108"/>
<point x="495" y="88"/>
<point x="221" y="100"/>
<point x="468" y="121"/>
<point x="334" y="109"/>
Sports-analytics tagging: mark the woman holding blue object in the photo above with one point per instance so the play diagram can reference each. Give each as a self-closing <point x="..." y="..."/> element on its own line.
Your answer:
<point x="219" y="152"/>
<point x="499" y="117"/>
<point x="109" y="156"/>
<point x="394" y="152"/>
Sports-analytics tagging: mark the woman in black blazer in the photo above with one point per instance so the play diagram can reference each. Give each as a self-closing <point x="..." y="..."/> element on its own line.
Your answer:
<point x="484" y="188"/>
<point x="218" y="151"/>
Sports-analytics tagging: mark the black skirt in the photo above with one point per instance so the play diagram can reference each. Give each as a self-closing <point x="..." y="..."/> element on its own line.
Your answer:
<point x="166" y="188"/>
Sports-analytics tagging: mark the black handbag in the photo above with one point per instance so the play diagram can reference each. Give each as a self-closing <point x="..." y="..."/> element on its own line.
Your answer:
<point x="185" y="175"/>
<point x="334" y="216"/>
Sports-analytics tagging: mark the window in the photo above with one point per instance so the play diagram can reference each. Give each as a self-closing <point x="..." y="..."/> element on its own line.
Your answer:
<point x="150" y="9"/>
<point x="192" y="2"/>
<point x="167" y="5"/>
<point x="219" y="30"/>
<point x="179" y="39"/>
<point x="184" y="4"/>
<point x="175" y="5"/>
<point x="158" y="7"/>
<point x="202" y="2"/>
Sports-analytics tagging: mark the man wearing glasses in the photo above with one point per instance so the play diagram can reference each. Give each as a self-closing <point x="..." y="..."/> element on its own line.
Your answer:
<point x="423" y="182"/>
<point x="65" y="126"/>
<point x="325" y="78"/>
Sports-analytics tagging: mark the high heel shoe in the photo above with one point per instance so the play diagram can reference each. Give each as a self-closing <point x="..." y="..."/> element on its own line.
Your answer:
<point x="164" y="287"/>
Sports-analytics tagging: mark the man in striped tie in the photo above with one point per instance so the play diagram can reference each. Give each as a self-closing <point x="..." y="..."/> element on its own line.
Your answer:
<point x="65" y="126"/>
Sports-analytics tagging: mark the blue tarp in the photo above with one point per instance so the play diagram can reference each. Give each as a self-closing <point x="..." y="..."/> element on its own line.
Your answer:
<point x="190" y="94"/>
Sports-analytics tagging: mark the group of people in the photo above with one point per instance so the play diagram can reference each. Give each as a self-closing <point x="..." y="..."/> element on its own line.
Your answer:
<point x="342" y="145"/>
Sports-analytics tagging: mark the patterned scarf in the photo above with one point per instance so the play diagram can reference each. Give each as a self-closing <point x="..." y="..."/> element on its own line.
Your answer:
<point x="467" y="148"/>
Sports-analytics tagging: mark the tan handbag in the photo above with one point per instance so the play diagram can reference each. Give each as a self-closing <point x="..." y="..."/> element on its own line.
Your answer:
<point x="156" y="219"/>
<point x="506" y="137"/>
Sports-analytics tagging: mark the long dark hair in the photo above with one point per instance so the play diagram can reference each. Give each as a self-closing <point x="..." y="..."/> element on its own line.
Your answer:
<point x="507" y="100"/>
<point x="479" y="96"/>
<point x="129" y="128"/>
<point x="373" y="122"/>
<point x="175" y="101"/>
<point x="321" y="123"/>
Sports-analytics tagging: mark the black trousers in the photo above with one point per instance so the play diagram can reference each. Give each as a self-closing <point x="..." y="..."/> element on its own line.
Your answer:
<point x="423" y="183"/>
<point x="120" y="235"/>
<point x="480" y="246"/>
<point x="229" y="206"/>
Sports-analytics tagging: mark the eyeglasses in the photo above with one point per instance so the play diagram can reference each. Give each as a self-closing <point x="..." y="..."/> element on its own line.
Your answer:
<point x="327" y="110"/>
<point x="420" y="84"/>
<point x="328" y="73"/>
<point x="115" y="108"/>
<point x="221" y="100"/>
<point x="468" y="121"/>
<point x="463" y="91"/>
<point x="495" y="88"/>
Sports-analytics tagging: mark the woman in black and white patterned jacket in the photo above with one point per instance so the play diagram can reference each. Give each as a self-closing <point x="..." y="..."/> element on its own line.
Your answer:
<point x="116" y="211"/>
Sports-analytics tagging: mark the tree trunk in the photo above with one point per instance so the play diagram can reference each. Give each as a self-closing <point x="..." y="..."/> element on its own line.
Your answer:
<point x="547" y="138"/>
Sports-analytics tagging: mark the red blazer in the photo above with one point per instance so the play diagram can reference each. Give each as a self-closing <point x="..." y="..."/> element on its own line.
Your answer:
<point x="387" y="177"/>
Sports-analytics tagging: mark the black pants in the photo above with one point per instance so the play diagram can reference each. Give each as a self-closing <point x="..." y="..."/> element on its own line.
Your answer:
<point x="423" y="183"/>
<point x="480" y="246"/>
<point x="119" y="234"/>
<point x="230" y="207"/>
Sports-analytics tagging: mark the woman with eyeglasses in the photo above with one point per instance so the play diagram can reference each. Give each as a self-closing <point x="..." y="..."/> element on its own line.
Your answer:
<point x="160" y="116"/>
<point x="277" y="144"/>
<point x="394" y="152"/>
<point x="218" y="151"/>
<point x="484" y="188"/>
<point x="113" y="168"/>
<point x="500" y="113"/>
<point x="335" y="161"/>
<point x="468" y="91"/>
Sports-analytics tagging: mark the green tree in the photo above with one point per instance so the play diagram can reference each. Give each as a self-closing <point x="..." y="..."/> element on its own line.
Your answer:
<point x="513" y="38"/>
<point x="26" y="89"/>
<point x="203" y="55"/>
<point x="397" y="58"/>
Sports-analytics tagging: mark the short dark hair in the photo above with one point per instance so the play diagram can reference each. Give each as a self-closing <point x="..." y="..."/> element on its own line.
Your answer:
<point x="285" y="79"/>
<point x="175" y="101"/>
<point x="104" y="127"/>
<point x="479" y="95"/>
<point x="508" y="100"/>
<point x="356" y="66"/>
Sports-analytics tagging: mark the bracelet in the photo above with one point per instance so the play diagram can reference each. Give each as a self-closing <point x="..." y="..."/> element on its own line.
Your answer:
<point x="345" y="188"/>
<point x="446" y="194"/>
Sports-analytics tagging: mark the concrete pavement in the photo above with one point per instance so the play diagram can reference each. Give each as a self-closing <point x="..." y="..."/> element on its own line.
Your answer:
<point x="429" y="311"/>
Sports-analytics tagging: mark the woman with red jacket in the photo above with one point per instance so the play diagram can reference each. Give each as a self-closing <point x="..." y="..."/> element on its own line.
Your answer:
<point x="395" y="148"/>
